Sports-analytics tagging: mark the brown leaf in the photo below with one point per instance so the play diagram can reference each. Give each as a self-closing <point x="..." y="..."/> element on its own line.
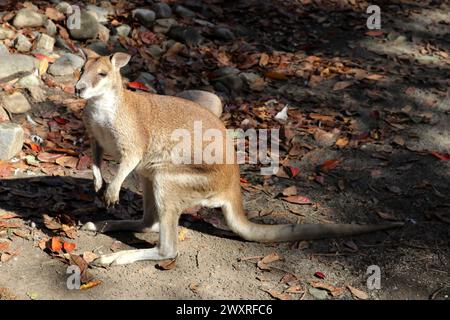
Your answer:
<point x="77" y="260"/>
<point x="297" y="199"/>
<point x="290" y="191"/>
<point x="54" y="14"/>
<point x="275" y="75"/>
<point x="278" y="295"/>
<point x="6" y="256"/>
<point x="288" y="277"/>
<point x="54" y="244"/>
<point x="358" y="293"/>
<point x="67" y="161"/>
<point x="387" y="216"/>
<point x="89" y="256"/>
<point x="8" y="215"/>
<point x="48" y="157"/>
<point x="167" y="264"/>
<point x="342" y="85"/>
<point x="334" y="291"/>
<point x="296" y="288"/>
<point x="264" y="59"/>
<point x="272" y="257"/>
<point x="51" y="223"/>
<point x="4" y="246"/>
<point x="342" y="142"/>
<point x="90" y="284"/>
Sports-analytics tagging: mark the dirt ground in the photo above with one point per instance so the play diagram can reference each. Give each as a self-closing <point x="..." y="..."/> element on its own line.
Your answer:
<point x="394" y="167"/>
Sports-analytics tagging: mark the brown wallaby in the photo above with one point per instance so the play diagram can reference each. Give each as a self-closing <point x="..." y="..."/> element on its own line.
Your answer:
<point x="136" y="128"/>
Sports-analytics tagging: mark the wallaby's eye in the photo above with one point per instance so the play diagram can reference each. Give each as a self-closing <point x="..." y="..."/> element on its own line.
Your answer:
<point x="102" y="74"/>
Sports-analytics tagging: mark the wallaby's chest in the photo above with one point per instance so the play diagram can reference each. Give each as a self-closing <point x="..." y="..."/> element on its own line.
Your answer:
<point x="101" y="125"/>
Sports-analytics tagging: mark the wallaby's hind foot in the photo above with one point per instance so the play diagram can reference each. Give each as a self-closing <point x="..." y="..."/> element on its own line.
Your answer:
<point x="121" y="225"/>
<point x="130" y="256"/>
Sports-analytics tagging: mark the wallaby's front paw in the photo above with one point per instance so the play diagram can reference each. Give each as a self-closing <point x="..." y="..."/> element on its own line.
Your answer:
<point x="111" y="197"/>
<point x="98" y="185"/>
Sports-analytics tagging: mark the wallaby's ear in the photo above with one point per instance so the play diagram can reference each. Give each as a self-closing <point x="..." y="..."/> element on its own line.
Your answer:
<point x="90" y="54"/>
<point x="120" y="59"/>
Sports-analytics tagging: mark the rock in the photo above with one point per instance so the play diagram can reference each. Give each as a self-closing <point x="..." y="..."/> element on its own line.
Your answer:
<point x="30" y="80"/>
<point x="50" y="27"/>
<point x="162" y="10"/>
<point x="28" y="18"/>
<point x="204" y="23"/>
<point x="64" y="7"/>
<point x="146" y="78"/>
<point x="15" y="103"/>
<point x="184" y="12"/>
<point x="11" y="140"/>
<point x="3" y="50"/>
<point x="164" y="25"/>
<point x="318" y="293"/>
<point x="145" y="17"/>
<point x="223" y="34"/>
<point x="37" y="93"/>
<point x="6" y="33"/>
<point x="123" y="30"/>
<point x="186" y="35"/>
<point x="45" y="43"/>
<point x="3" y="115"/>
<point x="100" y="13"/>
<point x="206" y="99"/>
<point x="66" y="64"/>
<point x="14" y="65"/>
<point x="100" y="48"/>
<point x="155" y="51"/>
<point x="87" y="27"/>
<point x="227" y="77"/>
<point x="103" y="33"/>
<point x="254" y="81"/>
<point x="22" y="44"/>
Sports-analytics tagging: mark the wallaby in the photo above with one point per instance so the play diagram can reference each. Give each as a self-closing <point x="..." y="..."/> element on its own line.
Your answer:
<point x="135" y="128"/>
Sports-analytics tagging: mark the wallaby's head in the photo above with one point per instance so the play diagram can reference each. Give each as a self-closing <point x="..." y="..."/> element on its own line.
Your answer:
<point x="101" y="74"/>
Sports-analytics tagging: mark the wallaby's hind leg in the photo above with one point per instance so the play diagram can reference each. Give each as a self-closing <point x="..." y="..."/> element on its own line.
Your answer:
<point x="148" y="223"/>
<point x="168" y="213"/>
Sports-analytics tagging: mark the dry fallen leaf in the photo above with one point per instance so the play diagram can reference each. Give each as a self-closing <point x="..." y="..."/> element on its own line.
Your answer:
<point x="182" y="234"/>
<point x="278" y="295"/>
<point x="290" y="191"/>
<point x="272" y="257"/>
<point x="90" y="284"/>
<point x="67" y="161"/>
<point x="334" y="291"/>
<point x="297" y="199"/>
<point x="167" y="264"/>
<point x="342" y="85"/>
<point x="358" y="293"/>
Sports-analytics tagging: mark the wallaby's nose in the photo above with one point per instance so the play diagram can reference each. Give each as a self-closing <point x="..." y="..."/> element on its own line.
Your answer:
<point x="80" y="86"/>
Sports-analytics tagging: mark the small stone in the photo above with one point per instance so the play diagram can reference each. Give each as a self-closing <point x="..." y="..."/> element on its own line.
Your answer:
<point x="14" y="65"/>
<point x="319" y="294"/>
<point x="123" y="30"/>
<point x="223" y="34"/>
<point x="15" y="103"/>
<point x="45" y="43"/>
<point x="87" y="28"/>
<point x="22" y="44"/>
<point x="164" y="25"/>
<point x="100" y="13"/>
<point x="103" y="33"/>
<point x="206" y="99"/>
<point x="64" y="7"/>
<point x="11" y="140"/>
<point x="28" y="18"/>
<point x="51" y="28"/>
<point x="155" y="51"/>
<point x="6" y="33"/>
<point x="100" y="48"/>
<point x="162" y="10"/>
<point x="3" y="115"/>
<point x="145" y="17"/>
<point x="66" y="64"/>
<point x="30" y="80"/>
<point x="186" y="35"/>
<point x="184" y="12"/>
<point x="227" y="77"/>
<point x="3" y="50"/>
<point x="145" y="78"/>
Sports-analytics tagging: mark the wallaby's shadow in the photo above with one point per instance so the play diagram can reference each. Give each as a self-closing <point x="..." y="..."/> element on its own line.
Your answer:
<point x="32" y="197"/>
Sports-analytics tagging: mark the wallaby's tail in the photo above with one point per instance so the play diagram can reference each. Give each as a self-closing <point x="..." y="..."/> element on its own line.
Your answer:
<point x="206" y="99"/>
<point x="238" y="223"/>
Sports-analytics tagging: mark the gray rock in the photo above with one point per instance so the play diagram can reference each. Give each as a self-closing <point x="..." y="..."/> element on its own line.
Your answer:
<point x="227" y="77"/>
<point x="11" y="140"/>
<point x="15" y="65"/>
<point x="66" y="64"/>
<point x="145" y="17"/>
<point x="206" y="99"/>
<point x="164" y="25"/>
<point x="3" y="115"/>
<point x="145" y="78"/>
<point x="123" y="30"/>
<point x="64" y="7"/>
<point x="100" y="13"/>
<point x="155" y="51"/>
<point x="318" y="293"/>
<point x="3" y="50"/>
<point x="15" y="103"/>
<point x="184" y="12"/>
<point x="87" y="28"/>
<point x="6" y="33"/>
<point x="50" y="26"/>
<point x="100" y="48"/>
<point x="204" y="23"/>
<point x="162" y="10"/>
<point x="22" y="44"/>
<point x="29" y="81"/>
<point x="28" y="18"/>
<point x="186" y="35"/>
<point x="223" y="34"/>
<point x="45" y="43"/>
<point x="103" y="33"/>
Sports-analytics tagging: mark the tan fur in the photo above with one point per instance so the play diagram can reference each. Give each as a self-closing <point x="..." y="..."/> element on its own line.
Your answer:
<point x="136" y="128"/>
